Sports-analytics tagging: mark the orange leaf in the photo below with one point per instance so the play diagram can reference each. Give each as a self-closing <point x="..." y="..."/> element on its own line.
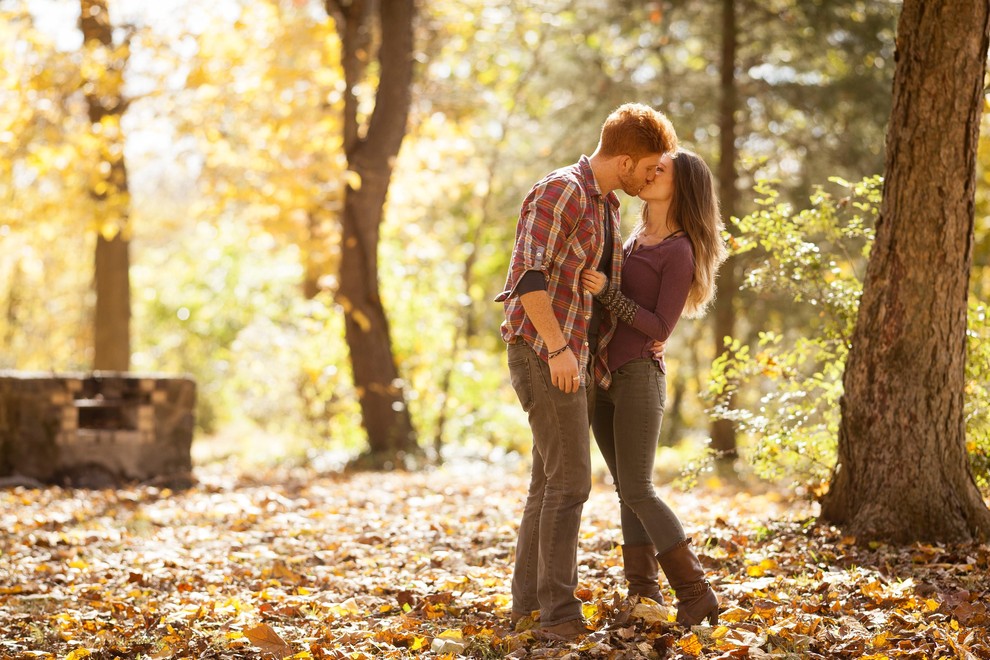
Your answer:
<point x="268" y="640"/>
<point x="734" y="614"/>
<point x="690" y="644"/>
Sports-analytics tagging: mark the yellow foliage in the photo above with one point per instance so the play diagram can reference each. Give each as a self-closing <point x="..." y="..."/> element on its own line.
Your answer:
<point x="353" y="179"/>
<point x="361" y="319"/>
<point x="690" y="644"/>
<point x="77" y="654"/>
<point x="761" y="569"/>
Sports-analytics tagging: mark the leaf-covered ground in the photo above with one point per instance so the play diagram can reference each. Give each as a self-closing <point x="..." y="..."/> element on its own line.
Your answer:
<point x="391" y="565"/>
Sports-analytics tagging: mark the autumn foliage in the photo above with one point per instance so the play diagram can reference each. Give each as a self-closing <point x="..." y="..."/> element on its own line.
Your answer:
<point x="301" y="565"/>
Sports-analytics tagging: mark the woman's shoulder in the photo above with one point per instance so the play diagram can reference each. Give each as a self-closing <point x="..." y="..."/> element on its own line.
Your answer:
<point x="679" y="249"/>
<point x="679" y="244"/>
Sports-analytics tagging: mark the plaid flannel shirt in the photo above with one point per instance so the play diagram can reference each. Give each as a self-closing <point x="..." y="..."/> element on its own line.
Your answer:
<point x="560" y="232"/>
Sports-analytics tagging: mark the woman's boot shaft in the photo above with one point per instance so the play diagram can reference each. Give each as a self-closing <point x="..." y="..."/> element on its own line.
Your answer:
<point x="642" y="571"/>
<point x="695" y="599"/>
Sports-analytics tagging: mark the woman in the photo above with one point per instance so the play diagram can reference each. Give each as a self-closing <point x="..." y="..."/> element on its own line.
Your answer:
<point x="668" y="271"/>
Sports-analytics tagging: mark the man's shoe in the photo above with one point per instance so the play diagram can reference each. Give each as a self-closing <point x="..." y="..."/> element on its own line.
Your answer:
<point x="568" y="630"/>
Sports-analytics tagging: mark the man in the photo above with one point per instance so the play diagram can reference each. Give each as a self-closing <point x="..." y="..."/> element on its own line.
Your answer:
<point x="568" y="222"/>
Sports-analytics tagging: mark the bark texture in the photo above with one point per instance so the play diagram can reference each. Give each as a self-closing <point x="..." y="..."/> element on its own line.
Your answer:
<point x="371" y="156"/>
<point x="903" y="472"/>
<point x="722" y="430"/>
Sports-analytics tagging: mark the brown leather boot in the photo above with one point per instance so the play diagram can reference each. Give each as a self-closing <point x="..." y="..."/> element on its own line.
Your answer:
<point x="642" y="571"/>
<point x="695" y="599"/>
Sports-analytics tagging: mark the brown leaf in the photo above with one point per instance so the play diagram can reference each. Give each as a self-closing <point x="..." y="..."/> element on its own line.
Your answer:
<point x="268" y="640"/>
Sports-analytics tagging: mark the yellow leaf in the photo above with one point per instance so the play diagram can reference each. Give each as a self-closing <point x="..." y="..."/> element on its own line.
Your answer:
<point x="690" y="644"/>
<point x="453" y="634"/>
<point x="734" y="614"/>
<point x="418" y="643"/>
<point x="649" y="612"/>
<point x="78" y="653"/>
<point x="931" y="604"/>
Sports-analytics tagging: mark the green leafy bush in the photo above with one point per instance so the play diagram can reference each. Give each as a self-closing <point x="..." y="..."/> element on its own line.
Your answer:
<point x="785" y="391"/>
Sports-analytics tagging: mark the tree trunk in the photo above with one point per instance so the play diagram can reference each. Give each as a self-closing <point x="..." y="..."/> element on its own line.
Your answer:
<point x="113" y="305"/>
<point x="380" y="390"/>
<point x="903" y="471"/>
<point x="106" y="106"/>
<point x="722" y="430"/>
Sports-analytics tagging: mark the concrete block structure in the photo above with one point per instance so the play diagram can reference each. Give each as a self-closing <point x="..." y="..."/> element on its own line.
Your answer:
<point x="96" y="429"/>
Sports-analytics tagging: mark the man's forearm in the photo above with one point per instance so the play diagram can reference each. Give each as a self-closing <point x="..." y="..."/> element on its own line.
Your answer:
<point x="540" y="313"/>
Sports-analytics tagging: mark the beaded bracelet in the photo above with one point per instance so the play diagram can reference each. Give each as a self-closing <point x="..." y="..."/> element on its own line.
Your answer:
<point x="551" y="356"/>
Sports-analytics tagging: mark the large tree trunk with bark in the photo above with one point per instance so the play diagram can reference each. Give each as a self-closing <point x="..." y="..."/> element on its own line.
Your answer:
<point x="722" y="430"/>
<point x="380" y="389"/>
<point x="903" y="472"/>
<point x="106" y="106"/>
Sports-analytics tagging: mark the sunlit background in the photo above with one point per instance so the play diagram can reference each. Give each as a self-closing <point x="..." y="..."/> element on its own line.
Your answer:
<point x="233" y="145"/>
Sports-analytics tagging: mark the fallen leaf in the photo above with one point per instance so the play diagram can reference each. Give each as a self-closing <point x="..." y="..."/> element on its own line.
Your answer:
<point x="268" y="640"/>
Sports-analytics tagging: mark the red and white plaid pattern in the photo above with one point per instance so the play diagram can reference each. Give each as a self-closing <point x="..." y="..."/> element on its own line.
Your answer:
<point x="560" y="232"/>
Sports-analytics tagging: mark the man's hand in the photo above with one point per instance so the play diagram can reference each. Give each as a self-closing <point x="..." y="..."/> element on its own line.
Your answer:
<point x="593" y="281"/>
<point x="564" y="366"/>
<point x="564" y="372"/>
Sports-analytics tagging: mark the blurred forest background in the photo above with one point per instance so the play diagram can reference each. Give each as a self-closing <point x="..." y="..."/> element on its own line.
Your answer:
<point x="210" y="143"/>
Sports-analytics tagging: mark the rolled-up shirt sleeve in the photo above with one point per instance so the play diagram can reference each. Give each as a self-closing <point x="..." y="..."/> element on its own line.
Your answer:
<point x="532" y="280"/>
<point x="547" y="218"/>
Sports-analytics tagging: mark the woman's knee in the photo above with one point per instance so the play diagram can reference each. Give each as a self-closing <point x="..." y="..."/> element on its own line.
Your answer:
<point x="637" y="496"/>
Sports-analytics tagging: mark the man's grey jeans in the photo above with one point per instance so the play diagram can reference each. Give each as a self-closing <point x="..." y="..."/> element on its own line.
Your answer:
<point x="545" y="574"/>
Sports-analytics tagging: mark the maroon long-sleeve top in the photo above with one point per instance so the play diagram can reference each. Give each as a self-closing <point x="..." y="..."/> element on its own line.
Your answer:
<point x="658" y="278"/>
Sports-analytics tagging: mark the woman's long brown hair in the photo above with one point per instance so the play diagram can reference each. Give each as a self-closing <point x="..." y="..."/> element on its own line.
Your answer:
<point x="695" y="208"/>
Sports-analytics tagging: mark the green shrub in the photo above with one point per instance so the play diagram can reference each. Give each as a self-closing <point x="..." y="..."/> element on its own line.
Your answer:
<point x="785" y="391"/>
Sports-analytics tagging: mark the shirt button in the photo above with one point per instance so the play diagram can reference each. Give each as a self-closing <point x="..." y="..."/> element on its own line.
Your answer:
<point x="588" y="317"/>
<point x="585" y="343"/>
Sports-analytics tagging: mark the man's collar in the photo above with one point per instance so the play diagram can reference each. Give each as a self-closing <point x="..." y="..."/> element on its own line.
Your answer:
<point x="591" y="183"/>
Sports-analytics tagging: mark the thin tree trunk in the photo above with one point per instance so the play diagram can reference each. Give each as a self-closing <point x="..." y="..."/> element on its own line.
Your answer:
<point x="903" y="472"/>
<point x="380" y="390"/>
<point x="112" y="340"/>
<point x="467" y="329"/>
<point x="722" y="430"/>
<point x="106" y="105"/>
